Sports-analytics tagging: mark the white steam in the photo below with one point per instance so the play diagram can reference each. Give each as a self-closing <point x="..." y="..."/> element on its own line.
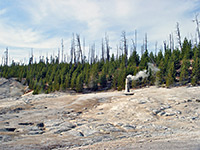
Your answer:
<point x="153" y="68"/>
<point x="143" y="74"/>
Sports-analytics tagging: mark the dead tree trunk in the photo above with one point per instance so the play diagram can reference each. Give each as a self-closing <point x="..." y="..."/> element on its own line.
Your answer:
<point x="92" y="51"/>
<point x="121" y="48"/>
<point x="62" y="45"/>
<point x="134" y="41"/>
<point x="179" y="35"/>
<point x="2" y="60"/>
<point x="124" y="40"/>
<point x="171" y="41"/>
<point x="165" y="45"/>
<point x="117" y="56"/>
<point x="58" y="58"/>
<point x="156" y="48"/>
<point x="80" y="54"/>
<point x="107" y="48"/>
<point x="102" y="50"/>
<point x="195" y="39"/>
<point x="146" y="42"/>
<point x="31" y="57"/>
<point x="73" y="50"/>
<point x="6" y="57"/>
<point x="84" y="50"/>
<point x="197" y="23"/>
<point x="65" y="58"/>
<point x="135" y="49"/>
<point x="89" y="53"/>
<point x="142" y="48"/>
<point x="71" y="53"/>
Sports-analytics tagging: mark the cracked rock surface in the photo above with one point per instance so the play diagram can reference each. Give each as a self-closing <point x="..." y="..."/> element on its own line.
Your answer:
<point x="152" y="118"/>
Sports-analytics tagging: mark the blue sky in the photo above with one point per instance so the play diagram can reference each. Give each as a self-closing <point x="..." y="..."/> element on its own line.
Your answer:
<point x="41" y="24"/>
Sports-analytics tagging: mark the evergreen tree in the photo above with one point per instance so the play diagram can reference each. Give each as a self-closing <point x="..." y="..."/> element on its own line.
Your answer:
<point x="160" y="74"/>
<point x="196" y="51"/>
<point x="67" y="81"/>
<point x="159" y="57"/>
<point x="196" y="72"/>
<point x="134" y="59"/>
<point x="73" y="80"/>
<point x="79" y="83"/>
<point x="186" y="49"/>
<point x="184" y="70"/>
<point x="167" y="60"/>
<point x="144" y="60"/>
<point x="131" y="69"/>
<point x="103" y="81"/>
<point x="121" y="77"/>
<point x="115" y="80"/>
<point x="176" y="58"/>
<point x="151" y="78"/>
<point x="93" y="81"/>
<point x="171" y="75"/>
<point x="152" y="58"/>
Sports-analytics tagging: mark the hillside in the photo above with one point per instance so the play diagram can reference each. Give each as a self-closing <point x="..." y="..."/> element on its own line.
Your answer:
<point x="10" y="88"/>
<point x="174" y="66"/>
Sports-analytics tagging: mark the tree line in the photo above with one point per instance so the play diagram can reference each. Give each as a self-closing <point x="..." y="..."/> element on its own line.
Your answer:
<point x="177" y="66"/>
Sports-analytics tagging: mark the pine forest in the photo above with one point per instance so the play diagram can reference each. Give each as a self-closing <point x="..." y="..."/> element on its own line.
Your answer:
<point x="178" y="66"/>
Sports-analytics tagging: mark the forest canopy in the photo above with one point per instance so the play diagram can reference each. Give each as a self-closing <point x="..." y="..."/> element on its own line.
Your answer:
<point x="178" y="66"/>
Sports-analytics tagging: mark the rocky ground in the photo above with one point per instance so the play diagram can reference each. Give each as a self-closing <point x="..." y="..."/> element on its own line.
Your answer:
<point x="10" y="88"/>
<point x="152" y="118"/>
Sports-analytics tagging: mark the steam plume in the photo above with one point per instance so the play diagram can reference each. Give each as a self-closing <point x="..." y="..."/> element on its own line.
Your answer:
<point x="153" y="68"/>
<point x="143" y="74"/>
